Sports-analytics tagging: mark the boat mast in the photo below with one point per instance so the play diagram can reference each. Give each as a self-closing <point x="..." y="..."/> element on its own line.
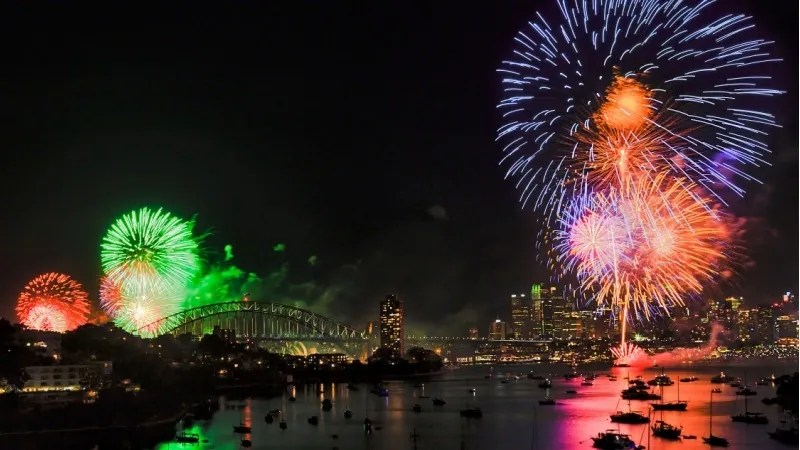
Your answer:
<point x="710" y="408"/>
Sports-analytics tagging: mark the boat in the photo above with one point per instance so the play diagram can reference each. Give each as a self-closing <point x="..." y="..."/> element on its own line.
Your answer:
<point x="769" y="400"/>
<point x="721" y="378"/>
<point x="638" y="394"/>
<point x="547" y="402"/>
<point x="572" y="392"/>
<point x="750" y="417"/>
<point x="438" y="402"/>
<point x="630" y="417"/>
<point x="666" y="431"/>
<point x="786" y="433"/>
<point x="746" y="392"/>
<point x="689" y="436"/>
<point x="275" y="412"/>
<point x="612" y="378"/>
<point x="763" y="382"/>
<point x="531" y="376"/>
<point x="676" y="405"/>
<point x="242" y="429"/>
<point x="268" y="418"/>
<point x="185" y="438"/>
<point x="714" y="441"/>
<point x="382" y="392"/>
<point x="661" y="380"/>
<point x="313" y="420"/>
<point x="611" y="440"/>
<point x="367" y="426"/>
<point x="621" y="365"/>
<point x="546" y="384"/>
<point x="716" y="391"/>
<point x="419" y="385"/>
<point x="348" y="414"/>
<point x="417" y="408"/>
<point x="283" y="424"/>
<point x="689" y="379"/>
<point x="471" y="390"/>
<point x="504" y="381"/>
<point x="736" y="384"/>
<point x="292" y="399"/>
<point x="247" y="443"/>
<point x="472" y="413"/>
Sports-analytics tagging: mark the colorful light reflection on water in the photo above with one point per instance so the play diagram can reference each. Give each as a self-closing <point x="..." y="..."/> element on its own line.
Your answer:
<point x="508" y="420"/>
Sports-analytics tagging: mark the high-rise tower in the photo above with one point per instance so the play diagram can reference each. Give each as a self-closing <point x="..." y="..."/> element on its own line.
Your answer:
<point x="392" y="329"/>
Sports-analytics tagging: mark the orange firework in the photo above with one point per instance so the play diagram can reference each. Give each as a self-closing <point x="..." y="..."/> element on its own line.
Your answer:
<point x="53" y="302"/>
<point x="654" y="243"/>
<point x="626" y="106"/>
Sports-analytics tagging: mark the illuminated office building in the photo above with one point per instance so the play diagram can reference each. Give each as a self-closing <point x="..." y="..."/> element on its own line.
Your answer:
<point x="521" y="316"/>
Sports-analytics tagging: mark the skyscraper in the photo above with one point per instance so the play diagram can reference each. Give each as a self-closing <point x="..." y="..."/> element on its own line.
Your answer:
<point x="392" y="328"/>
<point x="497" y="330"/>
<point x="542" y="308"/>
<point x="764" y="325"/>
<point x="520" y="316"/>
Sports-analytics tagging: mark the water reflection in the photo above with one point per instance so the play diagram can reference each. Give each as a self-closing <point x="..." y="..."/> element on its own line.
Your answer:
<point x="512" y="417"/>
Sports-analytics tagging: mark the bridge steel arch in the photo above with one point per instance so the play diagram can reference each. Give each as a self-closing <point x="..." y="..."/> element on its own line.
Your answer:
<point x="307" y="324"/>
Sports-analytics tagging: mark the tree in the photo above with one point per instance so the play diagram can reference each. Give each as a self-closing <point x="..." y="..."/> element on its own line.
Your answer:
<point x="15" y="356"/>
<point x="212" y="345"/>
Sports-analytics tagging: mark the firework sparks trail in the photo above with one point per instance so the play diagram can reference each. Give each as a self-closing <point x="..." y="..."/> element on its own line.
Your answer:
<point x="650" y="245"/>
<point x="149" y="258"/>
<point x="148" y="243"/>
<point x="53" y="302"/>
<point x="684" y="84"/>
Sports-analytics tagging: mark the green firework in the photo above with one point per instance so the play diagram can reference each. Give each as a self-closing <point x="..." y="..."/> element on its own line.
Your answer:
<point x="150" y="243"/>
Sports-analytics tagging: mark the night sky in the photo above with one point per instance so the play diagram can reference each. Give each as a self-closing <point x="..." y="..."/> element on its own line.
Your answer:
<point x="361" y="135"/>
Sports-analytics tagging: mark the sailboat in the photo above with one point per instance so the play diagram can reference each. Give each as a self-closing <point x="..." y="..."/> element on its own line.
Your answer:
<point x="750" y="417"/>
<point x="664" y="430"/>
<point x="714" y="441"/>
<point x="630" y="417"/>
<point x="677" y="405"/>
<point x="471" y="412"/>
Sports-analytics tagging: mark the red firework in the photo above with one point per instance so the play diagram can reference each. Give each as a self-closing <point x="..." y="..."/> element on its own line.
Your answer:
<point x="53" y="302"/>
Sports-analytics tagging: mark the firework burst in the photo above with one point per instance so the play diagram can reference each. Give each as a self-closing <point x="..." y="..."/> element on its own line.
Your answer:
<point x="149" y="258"/>
<point x="668" y="73"/>
<point x="150" y="243"/>
<point x="53" y="302"/>
<point x="652" y="244"/>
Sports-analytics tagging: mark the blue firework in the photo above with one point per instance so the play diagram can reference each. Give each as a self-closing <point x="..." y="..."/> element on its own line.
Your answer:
<point x="706" y="78"/>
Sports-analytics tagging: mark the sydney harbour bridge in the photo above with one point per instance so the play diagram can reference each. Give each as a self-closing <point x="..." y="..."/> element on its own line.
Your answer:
<point x="273" y="326"/>
<point x="283" y="329"/>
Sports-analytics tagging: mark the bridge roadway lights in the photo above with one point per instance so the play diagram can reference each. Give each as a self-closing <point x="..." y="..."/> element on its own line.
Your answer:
<point x="239" y="313"/>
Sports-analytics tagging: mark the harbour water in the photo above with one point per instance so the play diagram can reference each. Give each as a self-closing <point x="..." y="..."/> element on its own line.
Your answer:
<point x="512" y="417"/>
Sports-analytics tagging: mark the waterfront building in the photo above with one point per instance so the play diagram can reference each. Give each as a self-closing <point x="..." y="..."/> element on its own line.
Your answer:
<point x="764" y="325"/>
<point x="392" y="325"/>
<point x="62" y="377"/>
<point x="319" y="360"/>
<point x="497" y="330"/>
<point x="521" y="320"/>
<point x="787" y="330"/>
